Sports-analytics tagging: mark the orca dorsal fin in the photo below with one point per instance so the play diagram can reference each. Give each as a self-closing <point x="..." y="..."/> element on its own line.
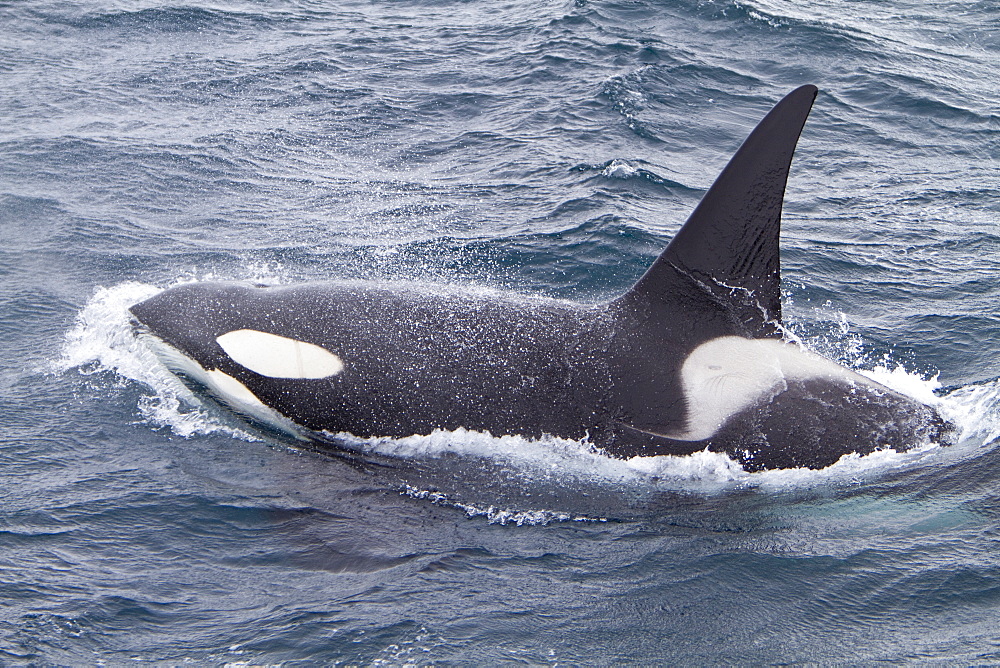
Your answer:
<point x="725" y="257"/>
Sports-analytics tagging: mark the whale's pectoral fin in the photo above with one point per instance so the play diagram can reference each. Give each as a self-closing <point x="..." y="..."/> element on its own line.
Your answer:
<point x="722" y="268"/>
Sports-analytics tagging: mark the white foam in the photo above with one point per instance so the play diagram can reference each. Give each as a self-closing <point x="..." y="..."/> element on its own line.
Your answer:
<point x="102" y="341"/>
<point x="495" y="515"/>
<point x="913" y="385"/>
<point x="976" y="410"/>
<point x="619" y="169"/>
<point x="564" y="461"/>
<point x="556" y="458"/>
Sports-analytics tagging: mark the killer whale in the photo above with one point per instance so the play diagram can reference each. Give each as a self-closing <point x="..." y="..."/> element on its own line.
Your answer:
<point x="692" y="357"/>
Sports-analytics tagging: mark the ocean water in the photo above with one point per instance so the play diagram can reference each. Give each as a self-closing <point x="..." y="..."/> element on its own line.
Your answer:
<point x="543" y="148"/>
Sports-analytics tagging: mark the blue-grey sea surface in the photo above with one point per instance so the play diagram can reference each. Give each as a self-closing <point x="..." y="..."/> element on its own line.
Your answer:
<point x="538" y="147"/>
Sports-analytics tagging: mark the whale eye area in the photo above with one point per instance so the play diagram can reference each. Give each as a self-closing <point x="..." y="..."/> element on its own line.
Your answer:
<point x="279" y="356"/>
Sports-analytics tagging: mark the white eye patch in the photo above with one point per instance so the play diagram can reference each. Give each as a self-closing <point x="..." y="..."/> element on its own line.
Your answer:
<point x="278" y="356"/>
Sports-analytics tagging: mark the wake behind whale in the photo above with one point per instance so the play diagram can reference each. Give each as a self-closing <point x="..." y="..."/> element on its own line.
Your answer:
<point x="693" y="357"/>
